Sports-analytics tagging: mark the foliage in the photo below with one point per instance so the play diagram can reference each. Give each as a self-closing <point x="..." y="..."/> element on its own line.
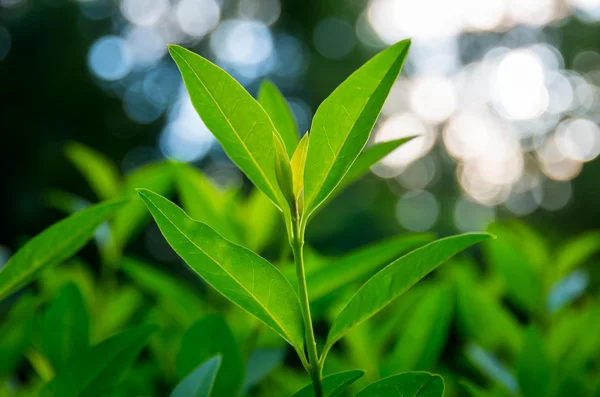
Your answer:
<point x="370" y="322"/>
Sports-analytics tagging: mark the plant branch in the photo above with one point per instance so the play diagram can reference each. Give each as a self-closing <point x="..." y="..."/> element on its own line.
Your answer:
<point x="315" y="367"/>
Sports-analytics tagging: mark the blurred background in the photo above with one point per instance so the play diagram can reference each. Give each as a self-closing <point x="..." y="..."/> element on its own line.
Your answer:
<point x="505" y="94"/>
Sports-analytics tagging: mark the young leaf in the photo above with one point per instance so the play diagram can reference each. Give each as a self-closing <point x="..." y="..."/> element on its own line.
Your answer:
<point x="414" y="384"/>
<point x="298" y="162"/>
<point x="534" y="370"/>
<point x="236" y="272"/>
<point x="280" y="113"/>
<point x="207" y="337"/>
<point x="54" y="245"/>
<point x="283" y="172"/>
<point x="65" y="327"/>
<point x="361" y="263"/>
<point x="200" y="382"/>
<point x="235" y="118"/>
<point x="101" y="173"/>
<point x="102" y="367"/>
<point x="421" y="343"/>
<point x="203" y="201"/>
<point x="396" y="278"/>
<point x="333" y="385"/>
<point x="343" y="122"/>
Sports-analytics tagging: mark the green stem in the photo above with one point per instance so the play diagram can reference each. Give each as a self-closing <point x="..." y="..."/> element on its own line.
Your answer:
<point x="315" y="367"/>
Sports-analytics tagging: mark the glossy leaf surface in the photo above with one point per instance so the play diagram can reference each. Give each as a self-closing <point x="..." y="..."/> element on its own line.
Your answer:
<point x="236" y="272"/>
<point x="413" y="384"/>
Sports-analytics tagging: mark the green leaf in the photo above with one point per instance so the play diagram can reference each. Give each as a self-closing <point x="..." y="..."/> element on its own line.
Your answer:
<point x="101" y="173"/>
<point x="576" y="251"/>
<point x="534" y="370"/>
<point x="413" y="384"/>
<point x="298" y="162"/>
<point x="114" y="311"/>
<point x="236" y="272"/>
<point x="207" y="337"/>
<point x="472" y="389"/>
<point x="235" y="118"/>
<point x="54" y="245"/>
<point x="102" y="367"/>
<point x="172" y="294"/>
<point x="260" y="364"/>
<point x="65" y="327"/>
<point x="283" y="172"/>
<point x="204" y="202"/>
<point x="425" y="335"/>
<point x="369" y="157"/>
<point x="280" y="113"/>
<point x="200" y="382"/>
<point x="333" y="385"/>
<point x="343" y="123"/>
<point x="395" y="279"/>
<point x="157" y="177"/>
<point x="361" y="263"/>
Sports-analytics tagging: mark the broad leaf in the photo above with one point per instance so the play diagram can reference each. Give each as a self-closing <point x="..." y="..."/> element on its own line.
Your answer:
<point x="236" y="119"/>
<point x="534" y="370"/>
<point x="425" y="335"/>
<point x="395" y="279"/>
<point x="101" y="174"/>
<point x="65" y="327"/>
<point x="102" y="367"/>
<point x="201" y="381"/>
<point x="236" y="272"/>
<point x="54" y="245"/>
<point x="343" y="123"/>
<point x="203" y="201"/>
<point x="206" y="338"/>
<point x="413" y="384"/>
<point x="360" y="264"/>
<point x="333" y="385"/>
<point x="280" y="113"/>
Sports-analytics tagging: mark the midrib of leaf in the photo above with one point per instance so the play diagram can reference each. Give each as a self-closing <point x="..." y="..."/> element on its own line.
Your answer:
<point x="243" y="143"/>
<point x="422" y="386"/>
<point x="48" y="259"/>
<point x="354" y="121"/>
<point x="230" y="275"/>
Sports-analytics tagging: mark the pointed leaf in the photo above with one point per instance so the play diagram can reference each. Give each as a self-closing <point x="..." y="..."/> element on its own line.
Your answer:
<point x="369" y="157"/>
<point x="102" y="367"/>
<point x="413" y="384"/>
<point x="236" y="272"/>
<point x="298" y="162"/>
<point x="235" y="118"/>
<point x="333" y="385"/>
<point x="280" y="113"/>
<point x="101" y="174"/>
<point x="200" y="382"/>
<point x="534" y="370"/>
<point x="361" y="263"/>
<point x="54" y="245"/>
<point x="396" y="278"/>
<point x="343" y="123"/>
<point x="209" y="336"/>
<point x="283" y="171"/>
<point x="65" y="327"/>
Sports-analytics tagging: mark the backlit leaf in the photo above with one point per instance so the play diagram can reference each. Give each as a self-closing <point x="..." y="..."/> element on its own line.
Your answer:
<point x="343" y="123"/>
<point x="280" y="113"/>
